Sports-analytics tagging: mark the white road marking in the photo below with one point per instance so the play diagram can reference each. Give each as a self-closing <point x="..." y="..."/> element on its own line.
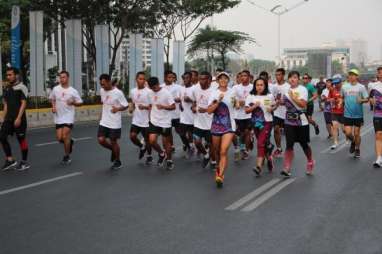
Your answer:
<point x="343" y="144"/>
<point x="266" y="196"/>
<point x="252" y="195"/>
<point x="56" y="142"/>
<point x="32" y="185"/>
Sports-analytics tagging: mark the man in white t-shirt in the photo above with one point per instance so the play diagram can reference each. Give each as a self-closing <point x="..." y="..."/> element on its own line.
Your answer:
<point x="162" y="104"/>
<point x="203" y="120"/>
<point x="140" y="108"/>
<point x="109" y="130"/>
<point x="64" y="99"/>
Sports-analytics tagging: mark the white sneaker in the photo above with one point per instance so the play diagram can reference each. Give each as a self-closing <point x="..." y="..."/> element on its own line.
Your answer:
<point x="333" y="147"/>
<point x="377" y="164"/>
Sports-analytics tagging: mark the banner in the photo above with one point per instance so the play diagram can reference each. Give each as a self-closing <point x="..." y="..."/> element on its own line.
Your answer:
<point x="15" y="38"/>
<point x="36" y="45"/>
<point x="157" y="59"/>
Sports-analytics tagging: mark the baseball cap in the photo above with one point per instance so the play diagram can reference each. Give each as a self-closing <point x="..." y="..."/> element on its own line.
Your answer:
<point x="354" y="71"/>
<point x="223" y="73"/>
<point x="337" y="79"/>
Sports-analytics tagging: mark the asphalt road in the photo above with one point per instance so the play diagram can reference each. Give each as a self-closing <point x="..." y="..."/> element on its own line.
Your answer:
<point x="85" y="208"/>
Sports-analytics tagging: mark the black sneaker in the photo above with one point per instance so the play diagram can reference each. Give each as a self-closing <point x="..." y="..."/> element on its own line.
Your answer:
<point x="142" y="152"/>
<point x="71" y="146"/>
<point x="149" y="160"/>
<point x="161" y="159"/>
<point x="357" y="153"/>
<point x="257" y="171"/>
<point x="285" y="174"/>
<point x="377" y="164"/>
<point x="317" y="130"/>
<point x="213" y="165"/>
<point x="22" y="166"/>
<point x="205" y="162"/>
<point x="66" y="160"/>
<point x="169" y="165"/>
<point x="8" y="165"/>
<point x="352" y="147"/>
<point x="116" y="165"/>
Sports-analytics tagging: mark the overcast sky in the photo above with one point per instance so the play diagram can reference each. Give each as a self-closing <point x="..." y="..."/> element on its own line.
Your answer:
<point x="310" y="25"/>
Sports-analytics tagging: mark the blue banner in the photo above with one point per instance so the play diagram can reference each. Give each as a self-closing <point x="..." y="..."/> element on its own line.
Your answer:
<point x="15" y="38"/>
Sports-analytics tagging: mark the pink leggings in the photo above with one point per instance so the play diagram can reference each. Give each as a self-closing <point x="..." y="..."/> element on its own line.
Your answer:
<point x="263" y="138"/>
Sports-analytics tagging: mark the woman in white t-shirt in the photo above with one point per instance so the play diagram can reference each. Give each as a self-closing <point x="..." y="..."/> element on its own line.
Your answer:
<point x="221" y="105"/>
<point x="296" y="123"/>
<point x="260" y="104"/>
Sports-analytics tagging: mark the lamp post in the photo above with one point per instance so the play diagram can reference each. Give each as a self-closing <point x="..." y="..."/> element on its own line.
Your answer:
<point x="279" y="10"/>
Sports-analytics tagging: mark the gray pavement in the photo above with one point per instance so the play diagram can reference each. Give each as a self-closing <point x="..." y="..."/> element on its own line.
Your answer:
<point x="85" y="208"/>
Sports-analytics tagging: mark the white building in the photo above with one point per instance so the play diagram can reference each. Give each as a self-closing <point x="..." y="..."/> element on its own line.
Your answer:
<point x="358" y="51"/>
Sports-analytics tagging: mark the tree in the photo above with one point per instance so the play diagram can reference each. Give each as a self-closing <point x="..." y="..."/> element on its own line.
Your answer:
<point x="210" y="39"/>
<point x="258" y="65"/>
<point x="337" y="67"/>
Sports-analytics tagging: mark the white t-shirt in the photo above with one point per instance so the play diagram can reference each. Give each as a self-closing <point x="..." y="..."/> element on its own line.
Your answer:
<point x="140" y="97"/>
<point x="266" y="102"/>
<point x="292" y="107"/>
<point x="187" y="116"/>
<point x="241" y="93"/>
<point x="202" y="120"/>
<point x="110" y="99"/>
<point x="223" y="120"/>
<point x="277" y="91"/>
<point x="175" y="91"/>
<point x="61" y="96"/>
<point x="161" y="117"/>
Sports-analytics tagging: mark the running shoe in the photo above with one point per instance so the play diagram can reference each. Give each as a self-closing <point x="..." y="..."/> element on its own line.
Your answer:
<point x="270" y="164"/>
<point x="213" y="165"/>
<point x="71" y="146"/>
<point x="142" y="152"/>
<point x="278" y="153"/>
<point x="8" y="165"/>
<point x="205" y="162"/>
<point x="357" y="153"/>
<point x="352" y="147"/>
<point x="149" y="160"/>
<point x="219" y="179"/>
<point x="285" y="174"/>
<point x="257" y="171"/>
<point x="377" y="164"/>
<point x="22" y="166"/>
<point x="116" y="165"/>
<point x="333" y="147"/>
<point x="310" y="167"/>
<point x="317" y="130"/>
<point x="237" y="155"/>
<point x="66" y="160"/>
<point x="244" y="155"/>
<point x="161" y="159"/>
<point x="169" y="165"/>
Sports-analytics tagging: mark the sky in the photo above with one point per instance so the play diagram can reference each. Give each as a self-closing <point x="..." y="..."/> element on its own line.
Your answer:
<point x="310" y="25"/>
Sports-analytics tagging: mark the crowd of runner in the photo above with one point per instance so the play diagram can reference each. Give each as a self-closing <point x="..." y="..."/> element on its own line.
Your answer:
<point x="209" y="114"/>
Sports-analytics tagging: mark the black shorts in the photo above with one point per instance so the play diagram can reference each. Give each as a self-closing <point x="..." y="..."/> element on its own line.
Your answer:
<point x="328" y="117"/>
<point x="165" y="132"/>
<point x="377" y="124"/>
<point x="310" y="110"/>
<point x="136" y="129"/>
<point x="338" y="118"/>
<point x="112" y="134"/>
<point x="8" y="129"/>
<point x="64" y="125"/>
<point x="277" y="121"/>
<point x="242" y="125"/>
<point x="356" y="122"/>
<point x="186" y="128"/>
<point x="199" y="134"/>
<point x="297" y="134"/>
<point x="175" y="123"/>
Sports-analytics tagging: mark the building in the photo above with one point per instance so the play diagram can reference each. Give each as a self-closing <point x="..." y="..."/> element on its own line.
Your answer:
<point x="358" y="52"/>
<point x="146" y="52"/>
<point x="319" y="59"/>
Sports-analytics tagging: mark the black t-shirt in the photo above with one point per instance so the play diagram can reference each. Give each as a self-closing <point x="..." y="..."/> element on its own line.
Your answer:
<point x="320" y="86"/>
<point x="13" y="96"/>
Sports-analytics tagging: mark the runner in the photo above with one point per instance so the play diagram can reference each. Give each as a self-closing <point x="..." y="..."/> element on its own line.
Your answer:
<point x="194" y="77"/>
<point x="327" y="107"/>
<point x="109" y="130"/>
<point x="162" y="104"/>
<point x="296" y="124"/>
<point x="261" y="104"/>
<point x="337" y="105"/>
<point x="186" y="114"/>
<point x="376" y="99"/>
<point x="354" y="95"/>
<point x="64" y="99"/>
<point x="140" y="108"/>
<point x="278" y="89"/>
<point x="15" y="120"/>
<point x="320" y="86"/>
<point x="203" y="120"/>
<point x="312" y="96"/>
<point x="175" y="90"/>
<point x="243" y="120"/>
<point x="221" y="105"/>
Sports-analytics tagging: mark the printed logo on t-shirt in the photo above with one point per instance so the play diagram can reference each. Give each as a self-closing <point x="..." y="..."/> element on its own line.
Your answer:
<point x="221" y="122"/>
<point x="378" y="102"/>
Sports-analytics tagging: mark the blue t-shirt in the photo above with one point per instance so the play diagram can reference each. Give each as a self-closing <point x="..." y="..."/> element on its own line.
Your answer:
<point x="351" y="93"/>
